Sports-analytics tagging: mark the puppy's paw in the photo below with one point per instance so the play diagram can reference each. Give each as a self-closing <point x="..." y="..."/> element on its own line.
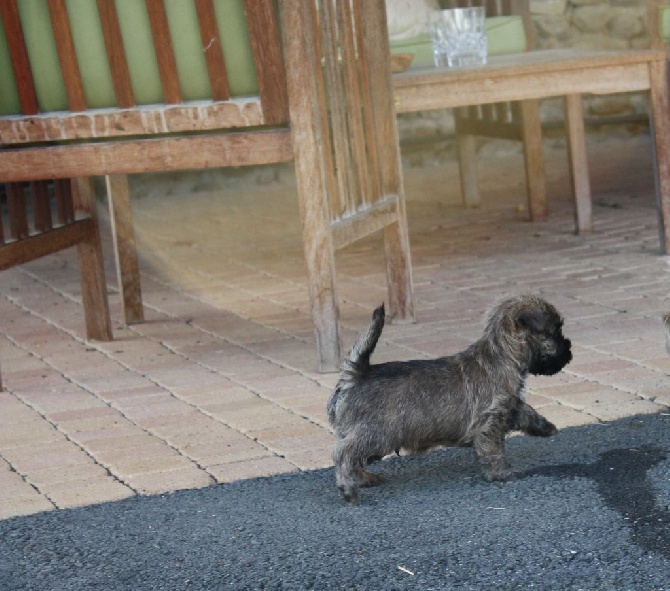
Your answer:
<point x="369" y="479"/>
<point x="542" y="429"/>
<point x="349" y="494"/>
<point x="501" y="475"/>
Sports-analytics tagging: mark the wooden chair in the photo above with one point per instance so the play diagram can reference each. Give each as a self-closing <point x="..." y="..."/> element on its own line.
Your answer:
<point x="322" y="97"/>
<point x="511" y="121"/>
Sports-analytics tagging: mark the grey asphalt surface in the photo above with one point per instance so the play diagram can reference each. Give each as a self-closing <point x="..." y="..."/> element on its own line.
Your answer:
<point x="590" y="511"/>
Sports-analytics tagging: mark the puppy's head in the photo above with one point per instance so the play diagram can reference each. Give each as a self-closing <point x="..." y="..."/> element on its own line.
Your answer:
<point x="532" y="330"/>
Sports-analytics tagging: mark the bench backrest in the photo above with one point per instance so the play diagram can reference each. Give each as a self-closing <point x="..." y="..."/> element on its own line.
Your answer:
<point x="97" y="58"/>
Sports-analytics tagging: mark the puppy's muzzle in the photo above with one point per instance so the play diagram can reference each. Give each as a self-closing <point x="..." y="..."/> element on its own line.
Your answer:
<point x="548" y="366"/>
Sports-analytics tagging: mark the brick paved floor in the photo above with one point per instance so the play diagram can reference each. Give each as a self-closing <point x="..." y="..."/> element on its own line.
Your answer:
<point x="220" y="383"/>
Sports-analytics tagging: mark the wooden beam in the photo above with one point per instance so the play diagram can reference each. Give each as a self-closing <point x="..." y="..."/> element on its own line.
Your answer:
<point x="155" y="155"/>
<point x="371" y="220"/>
<point x="35" y="247"/>
<point x="112" y="123"/>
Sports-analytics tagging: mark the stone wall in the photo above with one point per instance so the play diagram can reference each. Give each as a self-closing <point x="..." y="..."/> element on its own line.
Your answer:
<point x="604" y="24"/>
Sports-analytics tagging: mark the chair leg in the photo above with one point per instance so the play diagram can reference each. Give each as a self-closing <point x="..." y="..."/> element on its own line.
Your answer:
<point x="579" y="164"/>
<point x="467" y="168"/>
<point x="91" y="268"/>
<point x="320" y="259"/>
<point x="399" y="271"/>
<point x="536" y="183"/>
<point x="125" y="248"/>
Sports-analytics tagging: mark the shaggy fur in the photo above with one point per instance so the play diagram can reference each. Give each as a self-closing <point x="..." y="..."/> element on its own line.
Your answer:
<point x="472" y="398"/>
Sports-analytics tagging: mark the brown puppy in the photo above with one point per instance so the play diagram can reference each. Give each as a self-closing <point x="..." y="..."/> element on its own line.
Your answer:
<point x="472" y="398"/>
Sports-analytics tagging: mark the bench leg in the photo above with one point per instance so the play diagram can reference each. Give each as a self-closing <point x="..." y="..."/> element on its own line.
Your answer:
<point x="536" y="182"/>
<point x="579" y="163"/>
<point x="125" y="248"/>
<point x="91" y="267"/>
<point x="399" y="270"/>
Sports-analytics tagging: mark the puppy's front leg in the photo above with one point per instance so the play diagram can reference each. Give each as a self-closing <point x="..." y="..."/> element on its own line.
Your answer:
<point x="525" y="418"/>
<point x="489" y="444"/>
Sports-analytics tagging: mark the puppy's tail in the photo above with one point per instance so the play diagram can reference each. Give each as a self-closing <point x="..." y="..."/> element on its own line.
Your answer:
<point x="358" y="360"/>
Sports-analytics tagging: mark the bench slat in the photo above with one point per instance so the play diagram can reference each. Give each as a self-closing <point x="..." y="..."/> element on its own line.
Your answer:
<point x="211" y="44"/>
<point x="266" y="49"/>
<point x="64" y="205"/>
<point x="19" y="56"/>
<point x="67" y="55"/>
<point x="16" y="206"/>
<point x="116" y="55"/>
<point x="42" y="221"/>
<point x="167" y="65"/>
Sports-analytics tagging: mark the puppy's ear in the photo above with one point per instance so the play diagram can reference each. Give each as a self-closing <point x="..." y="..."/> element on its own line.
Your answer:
<point x="530" y="320"/>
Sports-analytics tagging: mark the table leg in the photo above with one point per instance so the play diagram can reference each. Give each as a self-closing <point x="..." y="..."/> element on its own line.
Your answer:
<point x="578" y="160"/>
<point x="536" y="182"/>
<point x="467" y="167"/>
<point x="658" y="114"/>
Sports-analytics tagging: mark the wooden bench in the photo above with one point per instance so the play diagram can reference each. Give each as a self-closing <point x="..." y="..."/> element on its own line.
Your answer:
<point x="322" y="98"/>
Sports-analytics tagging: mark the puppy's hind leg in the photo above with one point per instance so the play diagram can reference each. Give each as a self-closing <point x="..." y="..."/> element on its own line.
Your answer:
<point x="350" y="460"/>
<point x="347" y="466"/>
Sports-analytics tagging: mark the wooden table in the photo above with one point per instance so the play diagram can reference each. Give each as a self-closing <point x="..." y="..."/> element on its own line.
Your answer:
<point x="567" y="73"/>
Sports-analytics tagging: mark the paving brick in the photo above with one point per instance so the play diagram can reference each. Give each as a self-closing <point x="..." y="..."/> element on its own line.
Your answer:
<point x="29" y="432"/>
<point x="16" y="506"/>
<point x="600" y="395"/>
<point x="618" y="410"/>
<point x="161" y="482"/>
<point x="226" y="451"/>
<point x="56" y="475"/>
<point x="564" y="416"/>
<point x="151" y="458"/>
<point x="78" y="493"/>
<point x="266" y="466"/>
<point x="311" y="459"/>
